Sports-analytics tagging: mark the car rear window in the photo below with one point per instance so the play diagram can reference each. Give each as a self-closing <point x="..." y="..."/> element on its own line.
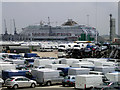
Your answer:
<point x="73" y="77"/>
<point x="67" y="77"/>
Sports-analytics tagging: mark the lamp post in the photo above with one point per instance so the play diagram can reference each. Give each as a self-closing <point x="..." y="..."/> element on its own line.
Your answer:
<point x="110" y="28"/>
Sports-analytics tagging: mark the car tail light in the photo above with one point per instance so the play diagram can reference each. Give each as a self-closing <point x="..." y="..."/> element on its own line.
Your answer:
<point x="85" y="86"/>
<point x="71" y="82"/>
<point x="12" y="80"/>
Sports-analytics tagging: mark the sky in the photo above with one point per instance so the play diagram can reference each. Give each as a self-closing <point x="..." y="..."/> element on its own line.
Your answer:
<point x="29" y="13"/>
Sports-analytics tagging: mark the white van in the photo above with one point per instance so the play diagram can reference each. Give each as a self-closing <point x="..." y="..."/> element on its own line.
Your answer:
<point x="78" y="71"/>
<point x="80" y="64"/>
<point x="55" y="66"/>
<point x="69" y="61"/>
<point x="96" y="73"/>
<point x="113" y="77"/>
<point x="47" y="76"/>
<point x="42" y="62"/>
<point x="87" y="81"/>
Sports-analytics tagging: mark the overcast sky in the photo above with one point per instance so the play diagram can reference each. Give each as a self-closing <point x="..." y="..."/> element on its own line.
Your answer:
<point x="28" y="13"/>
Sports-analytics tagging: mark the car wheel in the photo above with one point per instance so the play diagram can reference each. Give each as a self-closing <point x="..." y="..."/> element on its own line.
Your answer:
<point x="15" y="86"/>
<point x="49" y="83"/>
<point x="40" y="84"/>
<point x="8" y="87"/>
<point x="33" y="85"/>
<point x="63" y="85"/>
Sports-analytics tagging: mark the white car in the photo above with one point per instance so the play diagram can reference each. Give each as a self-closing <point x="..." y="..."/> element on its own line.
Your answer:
<point x="1" y="81"/>
<point x="19" y="81"/>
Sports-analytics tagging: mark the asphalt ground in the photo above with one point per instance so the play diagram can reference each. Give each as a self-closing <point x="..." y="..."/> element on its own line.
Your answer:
<point x="55" y="87"/>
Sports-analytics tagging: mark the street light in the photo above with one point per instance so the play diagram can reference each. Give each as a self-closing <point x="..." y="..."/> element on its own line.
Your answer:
<point x="110" y="28"/>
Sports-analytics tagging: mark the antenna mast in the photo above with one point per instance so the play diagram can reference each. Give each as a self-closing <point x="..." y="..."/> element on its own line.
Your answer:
<point x="50" y="31"/>
<point x="5" y="27"/>
<point x="15" y="32"/>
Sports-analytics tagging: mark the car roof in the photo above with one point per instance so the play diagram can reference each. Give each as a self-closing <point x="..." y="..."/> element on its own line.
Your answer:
<point x="72" y="75"/>
<point x="18" y="77"/>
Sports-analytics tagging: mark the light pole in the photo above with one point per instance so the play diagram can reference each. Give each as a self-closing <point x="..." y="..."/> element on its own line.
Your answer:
<point x="110" y="28"/>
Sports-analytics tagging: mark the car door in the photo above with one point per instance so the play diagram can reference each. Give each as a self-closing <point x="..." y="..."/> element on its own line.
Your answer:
<point x="19" y="82"/>
<point x="26" y="82"/>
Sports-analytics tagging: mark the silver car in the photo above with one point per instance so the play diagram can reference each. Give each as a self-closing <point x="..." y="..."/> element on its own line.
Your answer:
<point x="19" y="81"/>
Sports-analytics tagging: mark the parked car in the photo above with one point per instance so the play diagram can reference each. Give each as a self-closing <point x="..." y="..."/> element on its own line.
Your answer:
<point x="108" y="86"/>
<point x="1" y="80"/>
<point x="69" y="80"/>
<point x="1" y="83"/>
<point x="19" y="81"/>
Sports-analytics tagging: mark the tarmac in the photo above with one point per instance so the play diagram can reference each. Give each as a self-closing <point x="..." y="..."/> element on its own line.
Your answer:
<point x="47" y="54"/>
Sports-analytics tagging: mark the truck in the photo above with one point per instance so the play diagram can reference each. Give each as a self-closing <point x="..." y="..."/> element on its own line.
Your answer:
<point x="78" y="71"/>
<point x="18" y="49"/>
<point x="104" y="63"/>
<point x="42" y="62"/>
<point x="6" y="67"/>
<point x="14" y="56"/>
<point x="104" y="69"/>
<point x="46" y="76"/>
<point x="16" y="61"/>
<point x="69" y="61"/>
<point x="113" y="77"/>
<point x="55" y="66"/>
<point x="29" y="55"/>
<point x="64" y="70"/>
<point x="83" y="63"/>
<point x="9" y="73"/>
<point x="87" y="81"/>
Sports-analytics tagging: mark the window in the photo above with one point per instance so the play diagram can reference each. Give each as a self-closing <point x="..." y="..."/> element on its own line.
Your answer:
<point x="73" y="77"/>
<point x="19" y="79"/>
<point x="25" y="79"/>
<point x="62" y="46"/>
<point x="76" y="45"/>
